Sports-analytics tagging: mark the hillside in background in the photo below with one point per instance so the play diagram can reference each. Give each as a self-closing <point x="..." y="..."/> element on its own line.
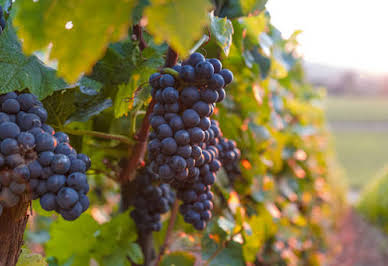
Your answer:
<point x="343" y="81"/>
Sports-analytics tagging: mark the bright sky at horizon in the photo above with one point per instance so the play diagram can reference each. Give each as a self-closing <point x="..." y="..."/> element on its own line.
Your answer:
<point x="344" y="33"/>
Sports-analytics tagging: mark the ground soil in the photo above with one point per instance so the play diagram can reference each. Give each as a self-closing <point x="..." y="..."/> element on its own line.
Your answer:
<point x="355" y="242"/>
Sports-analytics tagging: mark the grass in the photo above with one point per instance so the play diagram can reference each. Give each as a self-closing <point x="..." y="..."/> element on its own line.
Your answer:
<point x="361" y="150"/>
<point x="362" y="154"/>
<point x="373" y="204"/>
<point x="357" y="108"/>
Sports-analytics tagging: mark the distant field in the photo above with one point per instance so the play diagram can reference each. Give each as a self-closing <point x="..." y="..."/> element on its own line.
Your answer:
<point x="357" y="108"/>
<point x="362" y="154"/>
<point x="361" y="140"/>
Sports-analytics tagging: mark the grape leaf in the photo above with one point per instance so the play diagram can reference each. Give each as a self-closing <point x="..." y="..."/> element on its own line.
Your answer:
<point x="222" y="29"/>
<point x="116" y="65"/>
<point x="177" y="22"/>
<point x="135" y="253"/>
<point x="77" y="38"/>
<point x="19" y="72"/>
<point x="178" y="258"/>
<point x="137" y="12"/>
<point x="137" y="90"/>
<point x="89" y="86"/>
<point x="260" y="227"/>
<point x="88" y="109"/>
<point x="115" y="242"/>
<point x="60" y="106"/>
<point x="230" y="255"/>
<point x="29" y="259"/>
<point x="239" y="8"/>
<point x="75" y="238"/>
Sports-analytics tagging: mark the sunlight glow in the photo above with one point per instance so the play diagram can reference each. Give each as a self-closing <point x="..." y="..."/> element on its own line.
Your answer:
<point x="346" y="33"/>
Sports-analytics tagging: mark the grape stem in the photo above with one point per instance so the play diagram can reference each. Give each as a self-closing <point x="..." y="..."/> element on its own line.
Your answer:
<point x="170" y="228"/>
<point x="138" y="32"/>
<point x="172" y="72"/>
<point x="98" y="134"/>
<point x="139" y="149"/>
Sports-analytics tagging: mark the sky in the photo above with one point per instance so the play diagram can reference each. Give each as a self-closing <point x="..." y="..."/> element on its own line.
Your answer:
<point x="343" y="33"/>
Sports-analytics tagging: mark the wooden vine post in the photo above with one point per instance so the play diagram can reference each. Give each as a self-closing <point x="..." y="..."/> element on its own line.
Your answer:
<point x="13" y="223"/>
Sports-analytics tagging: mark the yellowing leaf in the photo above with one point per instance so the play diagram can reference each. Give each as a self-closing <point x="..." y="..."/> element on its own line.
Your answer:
<point x="76" y="44"/>
<point x="29" y="259"/>
<point x="178" y="22"/>
<point x="255" y="24"/>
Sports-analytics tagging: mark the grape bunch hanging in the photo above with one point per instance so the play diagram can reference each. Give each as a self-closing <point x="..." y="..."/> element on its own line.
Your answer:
<point x="2" y="19"/>
<point x="150" y="201"/>
<point x="37" y="161"/>
<point x="185" y="147"/>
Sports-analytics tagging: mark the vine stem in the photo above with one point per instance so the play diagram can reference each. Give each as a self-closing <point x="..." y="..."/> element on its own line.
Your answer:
<point x="139" y="150"/>
<point x="138" y="32"/>
<point x="98" y="135"/>
<point x="170" y="228"/>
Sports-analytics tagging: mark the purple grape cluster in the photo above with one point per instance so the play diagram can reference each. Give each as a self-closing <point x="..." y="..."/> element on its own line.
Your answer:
<point x="2" y="19"/>
<point x="182" y="147"/>
<point x="229" y="156"/>
<point x="150" y="201"/>
<point x="35" y="159"/>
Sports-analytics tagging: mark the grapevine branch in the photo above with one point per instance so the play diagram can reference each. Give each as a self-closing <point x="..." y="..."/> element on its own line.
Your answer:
<point x="138" y="32"/>
<point x="139" y="149"/>
<point x="170" y="228"/>
<point x="136" y="157"/>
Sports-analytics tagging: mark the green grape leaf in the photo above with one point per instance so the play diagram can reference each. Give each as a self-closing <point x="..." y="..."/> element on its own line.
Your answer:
<point x="124" y="98"/>
<point x="135" y="253"/>
<point x="117" y="64"/>
<point x="77" y="38"/>
<point x="4" y="4"/>
<point x="239" y="8"/>
<point x="137" y="12"/>
<point x="19" y="72"/>
<point x="222" y="30"/>
<point x="60" y="106"/>
<point x="115" y="241"/>
<point x="137" y="90"/>
<point x="72" y="238"/>
<point x="177" y="22"/>
<point x="29" y="259"/>
<point x="89" y="86"/>
<point x="178" y="258"/>
<point x="88" y="109"/>
<point x="260" y="227"/>
<point x="229" y="256"/>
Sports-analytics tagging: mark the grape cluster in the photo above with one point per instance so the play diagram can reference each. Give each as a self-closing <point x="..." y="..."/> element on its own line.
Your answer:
<point x="182" y="147"/>
<point x="2" y="19"/>
<point x="35" y="159"/>
<point x="150" y="202"/>
<point x="229" y="156"/>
